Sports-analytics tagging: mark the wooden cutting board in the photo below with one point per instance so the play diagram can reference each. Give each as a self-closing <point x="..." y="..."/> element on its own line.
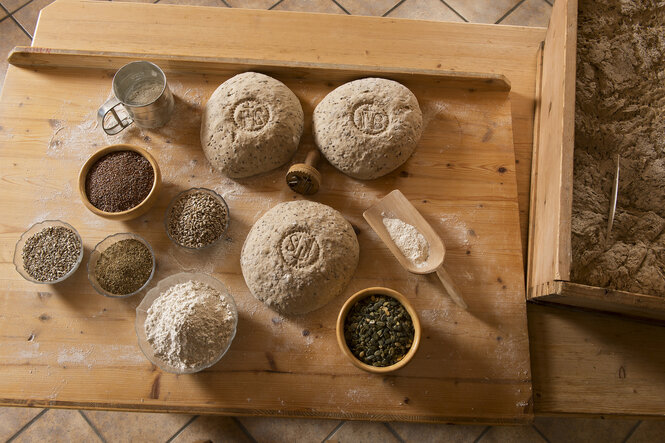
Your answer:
<point x="65" y="345"/>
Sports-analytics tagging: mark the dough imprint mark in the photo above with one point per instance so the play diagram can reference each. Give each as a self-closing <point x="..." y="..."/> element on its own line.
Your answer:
<point x="370" y="119"/>
<point x="299" y="249"/>
<point x="251" y="115"/>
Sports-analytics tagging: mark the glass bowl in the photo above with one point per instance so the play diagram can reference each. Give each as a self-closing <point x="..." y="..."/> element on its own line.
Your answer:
<point x="210" y="192"/>
<point x="154" y="293"/>
<point x="18" y="250"/>
<point x="105" y="244"/>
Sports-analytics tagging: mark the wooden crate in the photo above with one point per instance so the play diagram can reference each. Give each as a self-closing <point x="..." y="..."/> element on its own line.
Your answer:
<point x="549" y="250"/>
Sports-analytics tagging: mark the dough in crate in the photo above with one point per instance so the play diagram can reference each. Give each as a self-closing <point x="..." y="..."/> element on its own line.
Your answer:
<point x="299" y="256"/>
<point x="251" y="124"/>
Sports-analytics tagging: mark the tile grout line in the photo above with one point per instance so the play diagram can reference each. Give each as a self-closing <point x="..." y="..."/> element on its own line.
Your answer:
<point x="632" y="431"/>
<point x="535" y="428"/>
<point x="455" y="11"/>
<point x="341" y="7"/>
<point x="15" y="10"/>
<point x="244" y="429"/>
<point x="182" y="428"/>
<point x="94" y="428"/>
<point x="275" y="5"/>
<point x="336" y="428"/>
<point x="27" y="425"/>
<point x="395" y="6"/>
<point x="482" y="434"/>
<point x="510" y="11"/>
<point x="20" y="26"/>
<point x="11" y="16"/>
<point x="392" y="431"/>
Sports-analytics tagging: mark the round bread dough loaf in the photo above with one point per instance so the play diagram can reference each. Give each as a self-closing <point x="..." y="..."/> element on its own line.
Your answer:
<point x="251" y="124"/>
<point x="367" y="128"/>
<point x="299" y="256"/>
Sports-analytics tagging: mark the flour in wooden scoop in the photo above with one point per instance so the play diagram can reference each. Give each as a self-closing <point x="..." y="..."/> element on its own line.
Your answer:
<point x="411" y="243"/>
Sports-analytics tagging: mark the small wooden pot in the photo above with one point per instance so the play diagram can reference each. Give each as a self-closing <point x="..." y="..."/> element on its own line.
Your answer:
<point x="137" y="210"/>
<point x="341" y="341"/>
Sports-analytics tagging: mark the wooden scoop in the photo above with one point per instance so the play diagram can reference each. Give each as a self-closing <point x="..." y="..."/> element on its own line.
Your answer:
<point x="395" y="205"/>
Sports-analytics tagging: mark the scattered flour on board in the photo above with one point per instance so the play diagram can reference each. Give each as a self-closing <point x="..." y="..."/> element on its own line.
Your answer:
<point x="31" y="352"/>
<point x="454" y="231"/>
<point x="73" y="355"/>
<point x="356" y="395"/>
<point x="411" y="243"/>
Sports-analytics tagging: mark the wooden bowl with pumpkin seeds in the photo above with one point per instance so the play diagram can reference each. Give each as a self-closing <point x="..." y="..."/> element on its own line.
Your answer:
<point x="378" y="330"/>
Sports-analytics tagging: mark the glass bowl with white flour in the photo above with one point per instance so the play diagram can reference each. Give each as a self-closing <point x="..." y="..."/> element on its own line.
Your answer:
<point x="186" y="323"/>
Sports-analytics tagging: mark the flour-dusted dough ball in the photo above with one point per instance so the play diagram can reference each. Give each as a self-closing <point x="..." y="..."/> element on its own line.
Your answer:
<point x="299" y="256"/>
<point x="251" y="124"/>
<point x="367" y="128"/>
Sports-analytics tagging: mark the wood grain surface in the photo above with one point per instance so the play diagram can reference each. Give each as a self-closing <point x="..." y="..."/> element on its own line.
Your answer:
<point x="552" y="183"/>
<point x="591" y="363"/>
<point x="66" y="345"/>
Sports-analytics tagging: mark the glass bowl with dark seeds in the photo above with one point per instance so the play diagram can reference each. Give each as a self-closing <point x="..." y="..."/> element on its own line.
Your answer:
<point x="378" y="330"/>
<point x="48" y="252"/>
<point x="196" y="218"/>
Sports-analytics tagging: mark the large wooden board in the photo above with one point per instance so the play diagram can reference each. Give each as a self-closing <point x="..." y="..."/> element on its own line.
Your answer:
<point x="66" y="346"/>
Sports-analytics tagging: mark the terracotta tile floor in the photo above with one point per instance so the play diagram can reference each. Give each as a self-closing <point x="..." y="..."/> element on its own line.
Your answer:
<point x="17" y="24"/>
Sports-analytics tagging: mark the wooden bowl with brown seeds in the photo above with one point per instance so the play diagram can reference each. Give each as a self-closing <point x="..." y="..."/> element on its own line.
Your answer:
<point x="378" y="330"/>
<point x="119" y="182"/>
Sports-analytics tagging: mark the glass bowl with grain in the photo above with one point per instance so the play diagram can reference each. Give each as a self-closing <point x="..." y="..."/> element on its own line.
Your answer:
<point x="121" y="265"/>
<point x="196" y="218"/>
<point x="48" y="252"/>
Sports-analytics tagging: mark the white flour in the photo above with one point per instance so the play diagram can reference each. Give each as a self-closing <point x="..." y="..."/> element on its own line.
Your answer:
<point x="410" y="242"/>
<point x="189" y="325"/>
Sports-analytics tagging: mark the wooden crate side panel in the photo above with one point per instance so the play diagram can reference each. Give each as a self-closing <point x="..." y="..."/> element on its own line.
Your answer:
<point x="594" y="363"/>
<point x="554" y="163"/>
<point x="591" y="297"/>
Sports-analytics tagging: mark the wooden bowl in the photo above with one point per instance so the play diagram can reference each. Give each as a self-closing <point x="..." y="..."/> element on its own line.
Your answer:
<point x="341" y="341"/>
<point x="137" y="210"/>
